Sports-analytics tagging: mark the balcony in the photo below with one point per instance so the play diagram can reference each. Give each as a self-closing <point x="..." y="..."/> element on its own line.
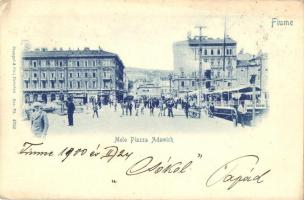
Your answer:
<point x="108" y="77"/>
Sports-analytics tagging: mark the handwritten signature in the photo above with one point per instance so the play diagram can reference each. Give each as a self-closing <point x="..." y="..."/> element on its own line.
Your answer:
<point x="144" y="165"/>
<point x="238" y="170"/>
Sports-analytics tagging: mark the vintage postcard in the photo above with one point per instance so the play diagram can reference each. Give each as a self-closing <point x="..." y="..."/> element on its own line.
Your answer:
<point x="151" y="99"/>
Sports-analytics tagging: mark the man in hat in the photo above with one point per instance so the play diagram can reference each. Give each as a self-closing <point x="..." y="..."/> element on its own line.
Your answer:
<point x="242" y="110"/>
<point x="170" y="106"/>
<point x="39" y="120"/>
<point x="71" y="108"/>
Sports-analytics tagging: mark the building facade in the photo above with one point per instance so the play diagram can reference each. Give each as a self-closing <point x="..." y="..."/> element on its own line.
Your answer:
<point x="183" y="84"/>
<point x="257" y="66"/>
<point x="84" y="74"/>
<point x="218" y="56"/>
<point x="149" y="90"/>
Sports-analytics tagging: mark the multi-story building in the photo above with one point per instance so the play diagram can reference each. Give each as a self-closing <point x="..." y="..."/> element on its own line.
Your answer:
<point x="148" y="89"/>
<point x="218" y="56"/>
<point x="184" y="83"/>
<point x="257" y="66"/>
<point x="57" y="74"/>
<point x="165" y="87"/>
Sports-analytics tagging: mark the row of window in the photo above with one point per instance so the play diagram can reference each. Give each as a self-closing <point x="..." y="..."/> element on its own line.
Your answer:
<point x="182" y="84"/>
<point x="218" y="61"/>
<point x="63" y="63"/>
<point x="78" y="84"/>
<point x="78" y="75"/>
<point x="212" y="52"/>
<point x="213" y="74"/>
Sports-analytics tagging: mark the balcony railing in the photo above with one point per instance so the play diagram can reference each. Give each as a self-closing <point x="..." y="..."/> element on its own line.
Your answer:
<point x="107" y="77"/>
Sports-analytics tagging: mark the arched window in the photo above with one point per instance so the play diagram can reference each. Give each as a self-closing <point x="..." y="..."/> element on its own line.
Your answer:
<point x="211" y="51"/>
<point x="27" y="98"/>
<point x="53" y="97"/>
<point x="35" y="97"/>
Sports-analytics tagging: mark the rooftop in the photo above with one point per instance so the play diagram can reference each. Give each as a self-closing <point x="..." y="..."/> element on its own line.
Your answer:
<point x="246" y="63"/>
<point x="205" y="41"/>
<point x="86" y="52"/>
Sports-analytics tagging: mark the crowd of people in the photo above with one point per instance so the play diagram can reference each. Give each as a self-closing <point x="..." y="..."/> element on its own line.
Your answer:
<point x="132" y="107"/>
<point x="155" y="106"/>
<point x="137" y="107"/>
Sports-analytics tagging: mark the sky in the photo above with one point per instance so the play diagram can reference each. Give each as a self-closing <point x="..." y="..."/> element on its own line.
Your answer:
<point x="141" y="34"/>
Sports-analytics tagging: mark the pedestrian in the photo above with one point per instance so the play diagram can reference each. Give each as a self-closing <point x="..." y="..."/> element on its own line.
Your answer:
<point x="211" y="110"/>
<point x="235" y="115"/>
<point x="164" y="108"/>
<point x="242" y="110"/>
<point x="130" y="107"/>
<point x="126" y="106"/>
<point x="99" y="102"/>
<point x="186" y="107"/>
<point x="115" y="106"/>
<point x="170" y="106"/>
<point x="136" y="108"/>
<point x="95" y="110"/>
<point x="151" y="106"/>
<point x="27" y="110"/>
<point x="71" y="108"/>
<point x="142" y="108"/>
<point x="122" y="105"/>
<point x="39" y="121"/>
<point x="161" y="108"/>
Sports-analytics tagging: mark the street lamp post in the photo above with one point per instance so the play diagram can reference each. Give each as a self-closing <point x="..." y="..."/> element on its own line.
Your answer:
<point x="253" y="103"/>
<point x="252" y="82"/>
<point x="170" y="83"/>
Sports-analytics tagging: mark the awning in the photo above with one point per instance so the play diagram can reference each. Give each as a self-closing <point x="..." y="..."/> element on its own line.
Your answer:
<point x="243" y="89"/>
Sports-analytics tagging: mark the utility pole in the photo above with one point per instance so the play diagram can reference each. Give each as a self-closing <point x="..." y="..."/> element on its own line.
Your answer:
<point x="253" y="103"/>
<point x="170" y="83"/>
<point x="224" y="61"/>
<point x="253" y="84"/>
<point x="261" y="73"/>
<point x="200" y="68"/>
